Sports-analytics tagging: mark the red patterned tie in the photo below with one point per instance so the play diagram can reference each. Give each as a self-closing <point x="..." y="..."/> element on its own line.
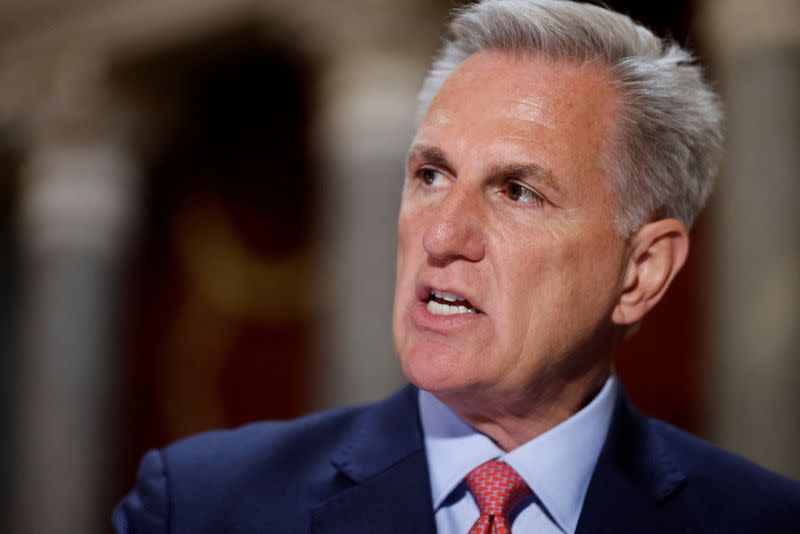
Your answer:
<point x="497" y="489"/>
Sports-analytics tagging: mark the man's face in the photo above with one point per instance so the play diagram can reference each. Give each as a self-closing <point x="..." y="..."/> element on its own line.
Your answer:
<point x="507" y="212"/>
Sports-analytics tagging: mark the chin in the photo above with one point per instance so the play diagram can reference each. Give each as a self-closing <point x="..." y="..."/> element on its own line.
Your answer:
<point x="436" y="371"/>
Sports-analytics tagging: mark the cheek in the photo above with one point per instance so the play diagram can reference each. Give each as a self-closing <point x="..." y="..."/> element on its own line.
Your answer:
<point x="526" y="259"/>
<point x="528" y="282"/>
<point x="590" y="277"/>
<point x="412" y="220"/>
<point x="405" y="242"/>
<point x="403" y="282"/>
<point x="406" y="216"/>
<point x="410" y="255"/>
<point x="548" y="278"/>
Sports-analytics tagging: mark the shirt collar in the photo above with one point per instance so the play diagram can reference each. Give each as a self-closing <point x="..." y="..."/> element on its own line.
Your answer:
<point x="557" y="465"/>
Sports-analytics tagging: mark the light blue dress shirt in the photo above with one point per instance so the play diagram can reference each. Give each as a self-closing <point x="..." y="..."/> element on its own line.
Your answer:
<point x="557" y="465"/>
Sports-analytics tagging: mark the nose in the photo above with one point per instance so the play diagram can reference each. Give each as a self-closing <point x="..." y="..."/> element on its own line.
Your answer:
<point x="455" y="229"/>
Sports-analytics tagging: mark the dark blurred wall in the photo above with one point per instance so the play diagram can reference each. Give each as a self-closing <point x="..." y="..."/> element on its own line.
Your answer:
<point x="220" y="320"/>
<point x="9" y="161"/>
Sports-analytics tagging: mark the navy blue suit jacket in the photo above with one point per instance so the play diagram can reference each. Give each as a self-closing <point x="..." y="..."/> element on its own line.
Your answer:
<point x="364" y="470"/>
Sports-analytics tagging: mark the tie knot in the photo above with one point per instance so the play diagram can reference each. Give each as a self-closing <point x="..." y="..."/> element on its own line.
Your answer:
<point x="497" y="488"/>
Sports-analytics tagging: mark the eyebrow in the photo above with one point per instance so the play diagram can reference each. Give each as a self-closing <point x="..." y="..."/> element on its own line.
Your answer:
<point x="518" y="171"/>
<point x="430" y="154"/>
<point x="499" y="171"/>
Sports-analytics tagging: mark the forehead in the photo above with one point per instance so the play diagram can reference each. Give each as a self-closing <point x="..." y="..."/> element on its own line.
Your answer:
<point x="557" y="111"/>
<point x="520" y="79"/>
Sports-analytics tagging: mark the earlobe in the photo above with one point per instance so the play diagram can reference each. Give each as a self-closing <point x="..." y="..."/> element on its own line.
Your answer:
<point x="658" y="252"/>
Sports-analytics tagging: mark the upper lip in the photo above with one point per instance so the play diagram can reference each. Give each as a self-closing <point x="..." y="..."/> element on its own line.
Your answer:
<point x="424" y="290"/>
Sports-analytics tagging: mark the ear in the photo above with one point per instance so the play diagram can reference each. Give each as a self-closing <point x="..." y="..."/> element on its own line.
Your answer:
<point x="658" y="251"/>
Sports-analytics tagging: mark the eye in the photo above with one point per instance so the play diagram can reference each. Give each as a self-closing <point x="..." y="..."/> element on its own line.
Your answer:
<point x="430" y="176"/>
<point x="521" y="194"/>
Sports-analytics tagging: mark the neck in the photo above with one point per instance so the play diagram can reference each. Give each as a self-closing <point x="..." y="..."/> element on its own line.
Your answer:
<point x="512" y="422"/>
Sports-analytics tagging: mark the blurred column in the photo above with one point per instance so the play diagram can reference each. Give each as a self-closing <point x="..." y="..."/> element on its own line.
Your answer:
<point x="756" y="285"/>
<point x="76" y="212"/>
<point x="368" y="123"/>
<point x="376" y="58"/>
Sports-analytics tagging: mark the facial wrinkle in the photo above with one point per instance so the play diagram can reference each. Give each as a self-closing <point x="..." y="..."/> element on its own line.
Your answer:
<point x="532" y="111"/>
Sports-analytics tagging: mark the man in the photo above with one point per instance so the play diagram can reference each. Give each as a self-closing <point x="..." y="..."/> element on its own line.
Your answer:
<point x="562" y="154"/>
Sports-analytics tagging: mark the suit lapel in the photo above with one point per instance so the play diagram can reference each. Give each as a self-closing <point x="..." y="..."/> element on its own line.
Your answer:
<point x="636" y="485"/>
<point x="385" y="461"/>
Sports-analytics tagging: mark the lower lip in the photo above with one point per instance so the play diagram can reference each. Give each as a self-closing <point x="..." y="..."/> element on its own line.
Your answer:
<point x="425" y="320"/>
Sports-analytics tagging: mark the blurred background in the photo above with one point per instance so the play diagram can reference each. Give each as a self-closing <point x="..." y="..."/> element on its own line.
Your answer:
<point x="197" y="212"/>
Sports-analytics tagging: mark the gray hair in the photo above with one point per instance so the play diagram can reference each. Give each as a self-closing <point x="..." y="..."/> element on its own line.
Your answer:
<point x="670" y="123"/>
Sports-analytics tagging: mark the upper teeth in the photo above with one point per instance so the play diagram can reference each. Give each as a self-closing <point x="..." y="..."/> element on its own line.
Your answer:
<point x="438" y="308"/>
<point x="449" y="297"/>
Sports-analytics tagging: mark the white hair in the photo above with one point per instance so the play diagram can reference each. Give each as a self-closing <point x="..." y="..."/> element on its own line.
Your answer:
<point x="670" y="121"/>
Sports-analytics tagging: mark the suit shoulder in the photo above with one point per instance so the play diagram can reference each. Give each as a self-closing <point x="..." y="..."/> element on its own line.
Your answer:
<point x="719" y="479"/>
<point x="218" y="481"/>
<point x="271" y="442"/>
<point x="701" y="458"/>
<point x="265" y="476"/>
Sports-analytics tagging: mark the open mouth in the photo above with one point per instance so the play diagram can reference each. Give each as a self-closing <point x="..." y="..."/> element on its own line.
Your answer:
<point x="445" y="303"/>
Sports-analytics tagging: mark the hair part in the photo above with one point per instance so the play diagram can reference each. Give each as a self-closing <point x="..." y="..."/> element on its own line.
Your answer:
<point x="667" y="146"/>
